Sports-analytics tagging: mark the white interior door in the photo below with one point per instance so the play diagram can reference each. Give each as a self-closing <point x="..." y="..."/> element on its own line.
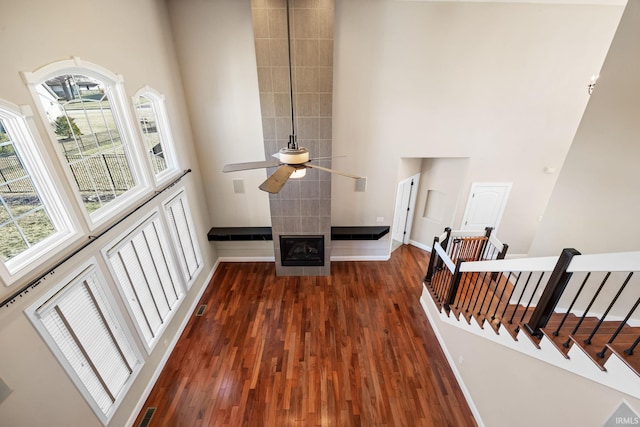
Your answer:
<point x="485" y="205"/>
<point x="405" y="206"/>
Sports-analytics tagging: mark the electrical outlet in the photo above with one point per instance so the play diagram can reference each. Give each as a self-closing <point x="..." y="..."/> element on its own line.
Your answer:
<point x="379" y="219"/>
<point x="460" y="360"/>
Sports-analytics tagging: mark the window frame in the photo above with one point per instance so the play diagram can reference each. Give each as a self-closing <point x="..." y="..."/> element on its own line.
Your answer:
<point x="123" y="119"/>
<point x="159" y="108"/>
<point x="166" y="245"/>
<point x="19" y="124"/>
<point x="57" y="293"/>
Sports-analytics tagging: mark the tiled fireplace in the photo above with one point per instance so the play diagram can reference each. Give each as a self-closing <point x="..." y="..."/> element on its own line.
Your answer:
<point x="303" y="206"/>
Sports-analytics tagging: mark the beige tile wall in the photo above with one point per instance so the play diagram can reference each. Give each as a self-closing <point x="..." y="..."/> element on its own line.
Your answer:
<point x="303" y="206"/>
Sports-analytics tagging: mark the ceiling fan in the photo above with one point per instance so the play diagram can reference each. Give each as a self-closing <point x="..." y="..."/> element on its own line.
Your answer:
<point x="292" y="161"/>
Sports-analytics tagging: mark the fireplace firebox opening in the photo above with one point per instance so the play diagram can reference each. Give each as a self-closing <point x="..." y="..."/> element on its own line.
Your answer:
<point x="302" y="251"/>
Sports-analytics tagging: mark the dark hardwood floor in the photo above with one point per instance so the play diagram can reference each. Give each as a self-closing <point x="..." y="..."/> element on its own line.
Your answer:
<point x="352" y="349"/>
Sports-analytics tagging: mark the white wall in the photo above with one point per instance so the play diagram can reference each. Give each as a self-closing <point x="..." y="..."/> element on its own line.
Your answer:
<point x="594" y="207"/>
<point x="216" y="53"/>
<point x="509" y="388"/>
<point x="129" y="38"/>
<point x="445" y="178"/>
<point x="501" y="84"/>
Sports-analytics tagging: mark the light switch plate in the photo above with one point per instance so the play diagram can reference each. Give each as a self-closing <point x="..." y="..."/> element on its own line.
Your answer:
<point x="238" y="185"/>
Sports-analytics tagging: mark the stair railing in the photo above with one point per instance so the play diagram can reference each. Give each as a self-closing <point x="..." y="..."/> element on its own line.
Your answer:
<point x="528" y="291"/>
<point x="605" y="287"/>
<point x="453" y="248"/>
<point x="500" y="291"/>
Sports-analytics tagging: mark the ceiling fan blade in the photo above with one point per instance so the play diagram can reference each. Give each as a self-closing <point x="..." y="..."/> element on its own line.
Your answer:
<point x="274" y="183"/>
<point x="309" y="165"/>
<point x="233" y="167"/>
<point x="326" y="158"/>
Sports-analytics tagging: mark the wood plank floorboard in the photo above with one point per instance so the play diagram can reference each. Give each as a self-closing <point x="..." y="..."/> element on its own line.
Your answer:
<point x="351" y="349"/>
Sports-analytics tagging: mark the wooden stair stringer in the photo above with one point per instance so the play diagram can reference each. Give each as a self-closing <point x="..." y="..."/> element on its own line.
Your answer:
<point x="616" y="377"/>
<point x="618" y="351"/>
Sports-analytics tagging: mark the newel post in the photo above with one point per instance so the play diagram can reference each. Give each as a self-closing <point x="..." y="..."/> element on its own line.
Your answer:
<point x="501" y="255"/>
<point x="552" y="293"/>
<point x="444" y="245"/>
<point x="453" y="286"/>
<point x="503" y="252"/>
<point x="485" y="244"/>
<point x="432" y="261"/>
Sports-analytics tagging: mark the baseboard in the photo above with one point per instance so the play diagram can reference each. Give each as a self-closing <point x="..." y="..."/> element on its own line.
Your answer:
<point x="360" y="258"/>
<point x="420" y="245"/>
<point x="246" y="259"/>
<point x="169" y="350"/>
<point x="333" y="258"/>
<point x="426" y="299"/>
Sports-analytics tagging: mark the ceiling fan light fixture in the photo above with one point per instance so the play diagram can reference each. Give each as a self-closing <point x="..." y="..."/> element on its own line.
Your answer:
<point x="299" y="173"/>
<point x="295" y="156"/>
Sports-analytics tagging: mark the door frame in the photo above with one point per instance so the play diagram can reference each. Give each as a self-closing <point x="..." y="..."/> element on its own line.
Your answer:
<point x="410" y="211"/>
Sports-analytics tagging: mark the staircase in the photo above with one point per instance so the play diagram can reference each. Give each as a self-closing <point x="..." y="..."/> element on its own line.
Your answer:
<point x="581" y="306"/>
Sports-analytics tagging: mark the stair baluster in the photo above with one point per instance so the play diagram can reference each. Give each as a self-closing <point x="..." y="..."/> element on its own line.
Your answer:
<point x="524" y="289"/>
<point x="531" y="299"/>
<point x="504" y="287"/>
<point x="557" y="331"/>
<point x="629" y="351"/>
<point x="486" y="293"/>
<point x="617" y="331"/>
<point x="588" y="340"/>
<point x="513" y="289"/>
<point x="473" y="291"/>
<point x="584" y="315"/>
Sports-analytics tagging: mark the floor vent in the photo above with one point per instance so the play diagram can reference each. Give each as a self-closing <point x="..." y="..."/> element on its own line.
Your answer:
<point x="200" y="311"/>
<point x="148" y="414"/>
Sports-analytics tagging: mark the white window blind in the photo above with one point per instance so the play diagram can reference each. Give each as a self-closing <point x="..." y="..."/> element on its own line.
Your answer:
<point x="147" y="277"/>
<point x="86" y="333"/>
<point x="183" y="235"/>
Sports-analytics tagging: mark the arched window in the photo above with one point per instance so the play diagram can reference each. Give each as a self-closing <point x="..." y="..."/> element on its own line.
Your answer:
<point x="33" y="220"/>
<point x="84" y="105"/>
<point x="153" y="122"/>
